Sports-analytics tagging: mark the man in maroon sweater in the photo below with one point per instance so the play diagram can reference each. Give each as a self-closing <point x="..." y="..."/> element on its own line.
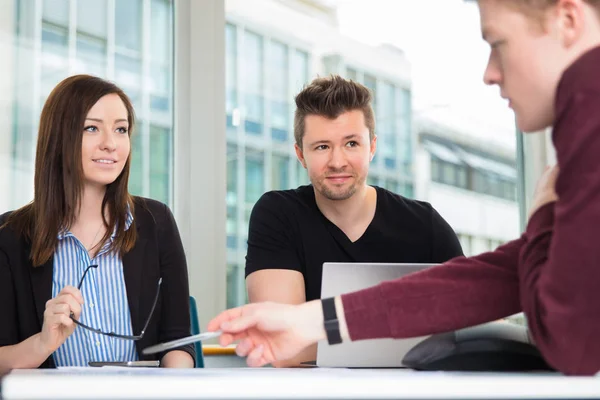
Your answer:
<point x="545" y="57"/>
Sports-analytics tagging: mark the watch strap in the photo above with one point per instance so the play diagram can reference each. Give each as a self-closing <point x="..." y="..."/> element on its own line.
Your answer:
<point x="332" y="324"/>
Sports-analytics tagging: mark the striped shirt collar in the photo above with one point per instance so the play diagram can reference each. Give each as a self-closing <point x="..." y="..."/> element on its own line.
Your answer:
<point x="128" y="221"/>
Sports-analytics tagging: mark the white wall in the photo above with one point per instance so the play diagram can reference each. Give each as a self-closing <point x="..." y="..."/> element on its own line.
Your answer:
<point x="200" y="180"/>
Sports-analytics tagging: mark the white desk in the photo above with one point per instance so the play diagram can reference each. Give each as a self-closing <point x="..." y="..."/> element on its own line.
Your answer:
<point x="269" y="383"/>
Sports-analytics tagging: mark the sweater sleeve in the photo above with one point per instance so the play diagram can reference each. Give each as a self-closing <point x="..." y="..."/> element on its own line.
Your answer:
<point x="559" y="265"/>
<point x="459" y="293"/>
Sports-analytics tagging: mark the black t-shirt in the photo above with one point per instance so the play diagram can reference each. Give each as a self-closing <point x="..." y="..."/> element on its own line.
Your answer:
<point x="288" y="231"/>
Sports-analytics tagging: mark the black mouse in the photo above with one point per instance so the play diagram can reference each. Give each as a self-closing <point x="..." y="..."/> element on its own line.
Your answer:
<point x="443" y="352"/>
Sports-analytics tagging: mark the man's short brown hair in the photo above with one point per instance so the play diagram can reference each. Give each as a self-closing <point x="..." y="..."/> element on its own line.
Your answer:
<point x="330" y="97"/>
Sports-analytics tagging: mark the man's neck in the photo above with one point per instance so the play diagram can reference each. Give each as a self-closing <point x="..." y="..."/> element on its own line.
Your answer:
<point x="346" y="213"/>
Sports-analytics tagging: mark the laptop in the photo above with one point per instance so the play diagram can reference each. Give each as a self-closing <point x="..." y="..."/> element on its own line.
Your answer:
<point x="340" y="278"/>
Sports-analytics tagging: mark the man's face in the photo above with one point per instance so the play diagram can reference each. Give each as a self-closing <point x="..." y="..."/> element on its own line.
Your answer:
<point x="337" y="153"/>
<point x="526" y="61"/>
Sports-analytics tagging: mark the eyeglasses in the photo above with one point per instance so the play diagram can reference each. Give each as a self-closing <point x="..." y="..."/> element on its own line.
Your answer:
<point x="113" y="334"/>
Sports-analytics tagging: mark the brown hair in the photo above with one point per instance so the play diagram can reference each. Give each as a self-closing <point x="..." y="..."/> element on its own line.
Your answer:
<point x="330" y="97"/>
<point x="58" y="180"/>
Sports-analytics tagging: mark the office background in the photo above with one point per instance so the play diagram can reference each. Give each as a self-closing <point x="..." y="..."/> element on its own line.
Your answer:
<point x="213" y="83"/>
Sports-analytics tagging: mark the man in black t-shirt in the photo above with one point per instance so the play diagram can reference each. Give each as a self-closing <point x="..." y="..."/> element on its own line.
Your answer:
<point x="289" y="232"/>
<point x="338" y="218"/>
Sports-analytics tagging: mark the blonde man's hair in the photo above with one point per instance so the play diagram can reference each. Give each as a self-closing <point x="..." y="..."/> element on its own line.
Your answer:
<point x="535" y="8"/>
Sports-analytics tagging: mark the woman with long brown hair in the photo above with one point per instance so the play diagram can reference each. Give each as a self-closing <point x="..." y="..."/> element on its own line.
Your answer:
<point x="89" y="273"/>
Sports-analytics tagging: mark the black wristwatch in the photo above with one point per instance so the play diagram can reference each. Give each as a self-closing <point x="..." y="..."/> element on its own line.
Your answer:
<point x="332" y="325"/>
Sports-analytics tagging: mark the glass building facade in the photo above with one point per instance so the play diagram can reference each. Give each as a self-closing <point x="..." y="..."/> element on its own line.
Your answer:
<point x="129" y="42"/>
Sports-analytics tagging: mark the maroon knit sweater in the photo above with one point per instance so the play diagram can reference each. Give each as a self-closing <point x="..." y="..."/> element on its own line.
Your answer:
<point x="552" y="272"/>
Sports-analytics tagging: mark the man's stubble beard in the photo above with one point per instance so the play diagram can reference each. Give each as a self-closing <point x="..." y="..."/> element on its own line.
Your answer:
<point x="329" y="194"/>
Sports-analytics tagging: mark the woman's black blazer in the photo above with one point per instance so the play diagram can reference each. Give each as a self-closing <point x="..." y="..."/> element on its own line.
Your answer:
<point x="158" y="252"/>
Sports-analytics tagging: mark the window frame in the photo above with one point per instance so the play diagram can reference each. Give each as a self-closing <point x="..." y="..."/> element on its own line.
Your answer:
<point x="200" y="150"/>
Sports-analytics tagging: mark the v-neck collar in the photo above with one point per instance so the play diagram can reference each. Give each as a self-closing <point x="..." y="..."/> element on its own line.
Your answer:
<point x="350" y="247"/>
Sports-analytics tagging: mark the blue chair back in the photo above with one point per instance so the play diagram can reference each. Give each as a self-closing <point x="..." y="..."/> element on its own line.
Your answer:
<point x="195" y="329"/>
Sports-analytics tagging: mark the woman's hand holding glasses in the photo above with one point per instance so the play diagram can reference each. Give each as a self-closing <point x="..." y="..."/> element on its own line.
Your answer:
<point x="58" y="325"/>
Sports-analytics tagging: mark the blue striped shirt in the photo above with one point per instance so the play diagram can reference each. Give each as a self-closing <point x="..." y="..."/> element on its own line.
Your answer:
<point x="105" y="303"/>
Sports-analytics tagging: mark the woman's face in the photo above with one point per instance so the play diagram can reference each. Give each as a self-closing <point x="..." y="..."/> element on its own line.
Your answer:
<point x="105" y="144"/>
